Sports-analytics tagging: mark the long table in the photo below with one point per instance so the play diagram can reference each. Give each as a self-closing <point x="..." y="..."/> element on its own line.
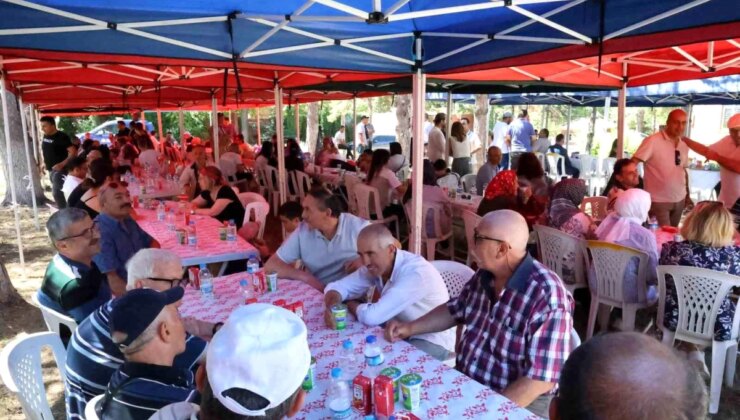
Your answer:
<point x="446" y="393"/>
<point x="210" y="248"/>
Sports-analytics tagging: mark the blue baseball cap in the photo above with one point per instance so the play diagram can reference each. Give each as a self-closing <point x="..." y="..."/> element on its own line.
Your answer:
<point x="133" y="312"/>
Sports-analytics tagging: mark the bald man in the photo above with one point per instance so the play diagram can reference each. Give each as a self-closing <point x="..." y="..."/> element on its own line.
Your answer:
<point x="392" y="284"/>
<point x="665" y="158"/>
<point x="615" y="376"/>
<point x="517" y="316"/>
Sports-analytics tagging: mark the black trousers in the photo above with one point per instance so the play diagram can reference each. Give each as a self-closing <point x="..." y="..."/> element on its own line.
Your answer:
<point x="57" y="181"/>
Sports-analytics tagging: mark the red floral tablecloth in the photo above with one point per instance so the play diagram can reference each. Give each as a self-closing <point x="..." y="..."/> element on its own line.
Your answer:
<point x="446" y="393"/>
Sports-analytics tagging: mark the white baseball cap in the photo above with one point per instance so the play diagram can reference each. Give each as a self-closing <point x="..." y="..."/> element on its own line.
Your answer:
<point x="263" y="349"/>
<point x="734" y="121"/>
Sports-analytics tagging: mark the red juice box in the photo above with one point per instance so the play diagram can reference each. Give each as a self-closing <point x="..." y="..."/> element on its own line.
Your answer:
<point x="362" y="395"/>
<point x="250" y="301"/>
<point x="384" y="396"/>
<point x="296" y="308"/>
<point x="135" y="202"/>
<point x="280" y="302"/>
<point x="194" y="277"/>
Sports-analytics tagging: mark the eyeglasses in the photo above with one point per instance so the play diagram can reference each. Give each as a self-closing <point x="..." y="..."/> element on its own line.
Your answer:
<point x="87" y="232"/>
<point x="173" y="282"/>
<point x="677" y="157"/>
<point x="477" y="238"/>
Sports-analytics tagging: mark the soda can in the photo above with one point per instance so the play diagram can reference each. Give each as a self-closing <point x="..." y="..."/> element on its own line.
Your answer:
<point x="383" y="396"/>
<point x="340" y="315"/>
<point x="395" y="374"/>
<point x="182" y="236"/>
<point x="272" y="281"/>
<point x="309" y="379"/>
<point x="411" y="391"/>
<point x="222" y="232"/>
<point x="194" y="277"/>
<point x="297" y="308"/>
<point x="362" y="395"/>
<point x="135" y="202"/>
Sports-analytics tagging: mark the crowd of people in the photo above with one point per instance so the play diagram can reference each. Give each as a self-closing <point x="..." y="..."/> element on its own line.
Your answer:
<point x="518" y="339"/>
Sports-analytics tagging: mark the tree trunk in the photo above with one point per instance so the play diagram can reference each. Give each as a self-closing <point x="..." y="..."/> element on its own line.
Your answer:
<point x="480" y="126"/>
<point x="312" y="127"/>
<point x="8" y="294"/>
<point x="403" y="128"/>
<point x="20" y="166"/>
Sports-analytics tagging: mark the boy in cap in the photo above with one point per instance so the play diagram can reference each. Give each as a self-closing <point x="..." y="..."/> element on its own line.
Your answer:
<point x="147" y="328"/>
<point x="255" y="366"/>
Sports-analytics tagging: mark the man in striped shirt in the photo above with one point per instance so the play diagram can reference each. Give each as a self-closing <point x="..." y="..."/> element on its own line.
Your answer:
<point x="92" y="358"/>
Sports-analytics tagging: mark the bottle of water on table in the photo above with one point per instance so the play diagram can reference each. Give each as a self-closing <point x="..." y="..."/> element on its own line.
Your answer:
<point x="206" y="282"/>
<point x="170" y="220"/>
<point x="231" y="232"/>
<point x="339" y="397"/>
<point x="373" y="357"/>
<point x="253" y="266"/>
<point x="192" y="235"/>
<point x="246" y="290"/>
<point x="349" y="361"/>
<point x="161" y="212"/>
<point x="653" y="224"/>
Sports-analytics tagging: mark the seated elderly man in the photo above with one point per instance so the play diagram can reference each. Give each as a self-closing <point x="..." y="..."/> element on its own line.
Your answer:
<point x="517" y="314"/>
<point x="120" y="236"/>
<point x="254" y="369"/>
<point x="392" y="284"/>
<point x="72" y="284"/>
<point x="614" y="376"/>
<point x="91" y="355"/>
<point x="325" y="241"/>
<point x="147" y="328"/>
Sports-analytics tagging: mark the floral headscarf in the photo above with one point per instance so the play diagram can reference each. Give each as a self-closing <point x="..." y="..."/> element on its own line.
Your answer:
<point x="566" y="197"/>
<point x="504" y="183"/>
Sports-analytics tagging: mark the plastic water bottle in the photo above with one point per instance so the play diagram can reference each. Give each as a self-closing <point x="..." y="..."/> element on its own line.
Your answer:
<point x="170" y="220"/>
<point x="161" y="212"/>
<point x="340" y="397"/>
<point x="253" y="266"/>
<point x="231" y="232"/>
<point x="206" y="282"/>
<point x="348" y="361"/>
<point x="373" y="357"/>
<point x="192" y="235"/>
<point x="653" y="224"/>
<point x="245" y="289"/>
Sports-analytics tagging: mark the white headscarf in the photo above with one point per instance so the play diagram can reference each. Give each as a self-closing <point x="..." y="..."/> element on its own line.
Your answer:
<point x="631" y="208"/>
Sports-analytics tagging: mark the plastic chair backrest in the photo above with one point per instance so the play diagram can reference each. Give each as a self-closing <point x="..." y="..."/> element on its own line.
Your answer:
<point x="303" y="182"/>
<point x="249" y="197"/>
<point x="470" y="220"/>
<point x="700" y="293"/>
<point x="350" y="181"/>
<point x="435" y="211"/>
<point x="228" y="168"/>
<point x="595" y="206"/>
<point x="53" y="319"/>
<point x="90" y="413"/>
<point x="541" y="157"/>
<point x="556" y="247"/>
<point x="468" y="182"/>
<point x="608" y="166"/>
<point x="450" y="181"/>
<point x="587" y="166"/>
<point x="260" y="211"/>
<point x="367" y="201"/>
<point x="20" y="370"/>
<point x="455" y="275"/>
<point x="610" y="262"/>
<point x="271" y="177"/>
<point x="403" y="173"/>
<point x="556" y="161"/>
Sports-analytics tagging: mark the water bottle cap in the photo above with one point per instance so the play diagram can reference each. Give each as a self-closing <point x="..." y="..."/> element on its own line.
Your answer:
<point x="370" y="339"/>
<point x="202" y="266"/>
<point x="243" y="282"/>
<point x="347" y="344"/>
<point x="336" y="373"/>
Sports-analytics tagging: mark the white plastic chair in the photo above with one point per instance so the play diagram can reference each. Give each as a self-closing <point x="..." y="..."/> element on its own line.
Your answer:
<point x="430" y="242"/>
<point x="301" y="183"/>
<point x="53" y="319"/>
<point x="541" y="157"/>
<point x="608" y="166"/>
<point x="455" y="275"/>
<point x="555" y="248"/>
<point x="20" y="370"/>
<point x="90" y="413"/>
<point x="700" y="293"/>
<point x="470" y="220"/>
<point x="368" y="204"/>
<point x="260" y="211"/>
<point x="588" y="172"/>
<point x="228" y="169"/>
<point x="450" y="181"/>
<point x="403" y="173"/>
<point x="271" y="176"/>
<point x="595" y="207"/>
<point x="349" y="183"/>
<point x="610" y="262"/>
<point x="556" y="168"/>
<point x="468" y="182"/>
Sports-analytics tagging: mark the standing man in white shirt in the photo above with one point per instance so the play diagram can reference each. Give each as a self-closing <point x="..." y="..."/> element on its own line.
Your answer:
<point x="474" y="140"/>
<point x="339" y="138"/>
<point x="437" y="143"/>
<point x="499" y="138"/>
<point x="726" y="152"/>
<point x="392" y="284"/>
<point x="76" y="172"/>
<point x="361" y="134"/>
<point x="428" y="125"/>
<point x="666" y="157"/>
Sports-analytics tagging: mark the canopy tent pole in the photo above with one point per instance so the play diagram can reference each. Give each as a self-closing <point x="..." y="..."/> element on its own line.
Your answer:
<point x="11" y="176"/>
<point x="181" y="124"/>
<point x="159" y="124"/>
<point x="448" y="125"/>
<point x="244" y="126"/>
<point x="28" y="162"/>
<point x="297" y="112"/>
<point x="34" y="132"/>
<point x="214" y="127"/>
<point x="354" y="126"/>
<point x="690" y="116"/>
<point x="417" y="105"/>
<point x="259" y="129"/>
<point x="621" y="104"/>
<point x="567" y="129"/>
<point x="282" y="185"/>
<point x="35" y="117"/>
<point x="234" y="122"/>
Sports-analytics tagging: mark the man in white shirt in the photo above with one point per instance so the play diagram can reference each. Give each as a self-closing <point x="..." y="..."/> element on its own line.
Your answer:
<point x="392" y="284"/>
<point x="474" y="140"/>
<point x="666" y="157"/>
<point x="542" y="145"/>
<point x="499" y="138"/>
<point x="325" y="241"/>
<point x="339" y="138"/>
<point x="726" y="152"/>
<point x="437" y="143"/>
<point x="190" y="175"/>
<point x="428" y="125"/>
<point x="361" y="134"/>
<point x="76" y="173"/>
<point x="231" y="162"/>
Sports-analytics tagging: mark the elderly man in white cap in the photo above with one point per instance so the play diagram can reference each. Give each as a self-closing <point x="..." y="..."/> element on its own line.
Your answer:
<point x="726" y="152"/>
<point x="255" y="367"/>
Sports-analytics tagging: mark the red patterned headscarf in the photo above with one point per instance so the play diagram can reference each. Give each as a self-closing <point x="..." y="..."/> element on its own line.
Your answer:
<point x="504" y="183"/>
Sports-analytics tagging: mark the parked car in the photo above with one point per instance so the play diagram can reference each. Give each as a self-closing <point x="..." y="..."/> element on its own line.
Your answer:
<point x="383" y="141"/>
<point x="101" y="132"/>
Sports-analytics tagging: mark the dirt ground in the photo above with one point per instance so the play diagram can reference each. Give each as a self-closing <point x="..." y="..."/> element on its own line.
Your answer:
<point x="25" y="318"/>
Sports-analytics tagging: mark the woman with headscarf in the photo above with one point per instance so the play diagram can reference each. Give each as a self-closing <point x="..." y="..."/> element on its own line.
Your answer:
<point x="564" y="212"/>
<point x="505" y="192"/>
<point x="624" y="227"/>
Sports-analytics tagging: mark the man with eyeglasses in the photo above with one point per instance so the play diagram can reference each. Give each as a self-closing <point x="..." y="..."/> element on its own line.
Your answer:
<point x="665" y="158"/>
<point x="517" y="316"/>
<point x="72" y="284"/>
<point x="92" y="357"/>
